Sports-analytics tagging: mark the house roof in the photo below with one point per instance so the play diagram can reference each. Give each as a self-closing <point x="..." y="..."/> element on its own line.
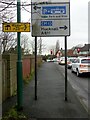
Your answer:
<point x="85" y="48"/>
<point x="76" y="47"/>
<point x="70" y="52"/>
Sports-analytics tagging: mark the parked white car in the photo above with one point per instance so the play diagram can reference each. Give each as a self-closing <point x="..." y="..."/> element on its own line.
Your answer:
<point x="61" y="61"/>
<point x="81" y="65"/>
<point x="56" y="59"/>
<point x="70" y="60"/>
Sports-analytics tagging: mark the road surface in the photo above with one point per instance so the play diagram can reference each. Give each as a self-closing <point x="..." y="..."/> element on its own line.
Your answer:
<point x="80" y="85"/>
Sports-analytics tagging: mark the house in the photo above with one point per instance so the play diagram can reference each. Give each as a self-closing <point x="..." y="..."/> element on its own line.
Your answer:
<point x="76" y="50"/>
<point x="70" y="53"/>
<point x="85" y="50"/>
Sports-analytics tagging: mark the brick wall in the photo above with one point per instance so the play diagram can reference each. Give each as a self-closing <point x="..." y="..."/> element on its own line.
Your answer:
<point x="8" y="72"/>
<point x="29" y="64"/>
<point x="9" y="79"/>
<point x="0" y="79"/>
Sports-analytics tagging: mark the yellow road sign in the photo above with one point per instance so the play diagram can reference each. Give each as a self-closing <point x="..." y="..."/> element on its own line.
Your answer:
<point x="16" y="27"/>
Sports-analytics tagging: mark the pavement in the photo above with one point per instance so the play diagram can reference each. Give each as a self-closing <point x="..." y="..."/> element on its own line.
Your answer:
<point x="50" y="101"/>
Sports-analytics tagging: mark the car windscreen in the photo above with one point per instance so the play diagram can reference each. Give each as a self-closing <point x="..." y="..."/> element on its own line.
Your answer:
<point x="72" y="60"/>
<point x="85" y="61"/>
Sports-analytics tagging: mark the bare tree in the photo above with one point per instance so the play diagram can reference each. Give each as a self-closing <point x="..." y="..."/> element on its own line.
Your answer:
<point x="57" y="46"/>
<point x="4" y="5"/>
<point x="24" y="43"/>
<point x="7" y="41"/>
<point x="40" y="46"/>
<point x="8" y="14"/>
<point x="32" y="45"/>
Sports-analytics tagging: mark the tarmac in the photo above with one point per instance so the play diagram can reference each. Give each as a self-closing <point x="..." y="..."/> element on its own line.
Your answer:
<point x="50" y="101"/>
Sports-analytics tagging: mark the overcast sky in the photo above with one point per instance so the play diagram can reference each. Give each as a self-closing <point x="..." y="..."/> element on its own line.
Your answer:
<point x="78" y="22"/>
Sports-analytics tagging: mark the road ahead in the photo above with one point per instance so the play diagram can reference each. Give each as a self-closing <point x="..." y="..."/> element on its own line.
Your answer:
<point x="80" y="85"/>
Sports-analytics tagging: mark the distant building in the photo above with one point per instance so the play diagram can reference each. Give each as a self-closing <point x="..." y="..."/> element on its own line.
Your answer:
<point x="85" y="50"/>
<point x="70" y="53"/>
<point x="76" y="50"/>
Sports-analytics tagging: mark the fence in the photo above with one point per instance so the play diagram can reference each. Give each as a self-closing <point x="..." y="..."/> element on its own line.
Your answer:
<point x="29" y="64"/>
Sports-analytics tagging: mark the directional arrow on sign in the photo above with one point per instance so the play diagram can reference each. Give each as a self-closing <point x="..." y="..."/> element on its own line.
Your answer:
<point x="36" y="7"/>
<point x="63" y="27"/>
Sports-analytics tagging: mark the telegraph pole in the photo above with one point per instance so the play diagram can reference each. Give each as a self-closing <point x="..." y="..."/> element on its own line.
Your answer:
<point x="19" y="63"/>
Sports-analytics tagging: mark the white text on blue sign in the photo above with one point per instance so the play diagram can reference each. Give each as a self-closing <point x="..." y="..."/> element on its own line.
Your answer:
<point x="54" y="10"/>
<point x="46" y="23"/>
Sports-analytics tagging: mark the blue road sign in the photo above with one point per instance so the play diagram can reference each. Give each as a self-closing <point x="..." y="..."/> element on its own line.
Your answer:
<point x="46" y="23"/>
<point x="53" y="10"/>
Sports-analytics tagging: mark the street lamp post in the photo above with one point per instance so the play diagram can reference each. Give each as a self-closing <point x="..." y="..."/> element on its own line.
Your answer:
<point x="19" y="62"/>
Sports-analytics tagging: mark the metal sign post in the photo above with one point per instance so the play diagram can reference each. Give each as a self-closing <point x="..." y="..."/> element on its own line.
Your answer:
<point x="51" y="19"/>
<point x="35" y="68"/>
<point x="19" y="63"/>
<point x="65" y="68"/>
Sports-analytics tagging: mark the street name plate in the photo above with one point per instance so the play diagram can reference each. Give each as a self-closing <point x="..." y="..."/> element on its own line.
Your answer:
<point x="16" y="27"/>
<point x="51" y="19"/>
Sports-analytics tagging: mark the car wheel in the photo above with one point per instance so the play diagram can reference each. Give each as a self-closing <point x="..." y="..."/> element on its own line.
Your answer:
<point x="78" y="74"/>
<point x="72" y="70"/>
<point x="68" y="67"/>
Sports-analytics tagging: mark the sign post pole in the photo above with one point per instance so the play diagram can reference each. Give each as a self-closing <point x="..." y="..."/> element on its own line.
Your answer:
<point x="53" y="20"/>
<point x="65" y="68"/>
<point x="35" y="68"/>
<point x="19" y="63"/>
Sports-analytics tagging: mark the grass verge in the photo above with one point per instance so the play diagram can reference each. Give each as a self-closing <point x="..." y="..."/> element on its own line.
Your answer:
<point x="13" y="114"/>
<point x="28" y="78"/>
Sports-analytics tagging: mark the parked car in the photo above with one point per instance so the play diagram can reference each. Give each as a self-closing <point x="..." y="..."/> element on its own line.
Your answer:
<point x="49" y="60"/>
<point x="70" y="60"/>
<point x="55" y="59"/>
<point x="81" y="65"/>
<point x="61" y="61"/>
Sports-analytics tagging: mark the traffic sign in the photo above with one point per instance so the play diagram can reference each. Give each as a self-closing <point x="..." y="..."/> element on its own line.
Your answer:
<point x="16" y="27"/>
<point x="51" y="28"/>
<point x="51" y="11"/>
<point x="51" y="19"/>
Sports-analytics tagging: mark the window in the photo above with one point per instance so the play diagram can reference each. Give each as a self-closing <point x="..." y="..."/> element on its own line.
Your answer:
<point x="85" y="61"/>
<point x="78" y="61"/>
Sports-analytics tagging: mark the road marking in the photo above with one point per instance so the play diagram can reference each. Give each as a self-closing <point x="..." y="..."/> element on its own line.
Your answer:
<point x="78" y="97"/>
<point x="83" y="104"/>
